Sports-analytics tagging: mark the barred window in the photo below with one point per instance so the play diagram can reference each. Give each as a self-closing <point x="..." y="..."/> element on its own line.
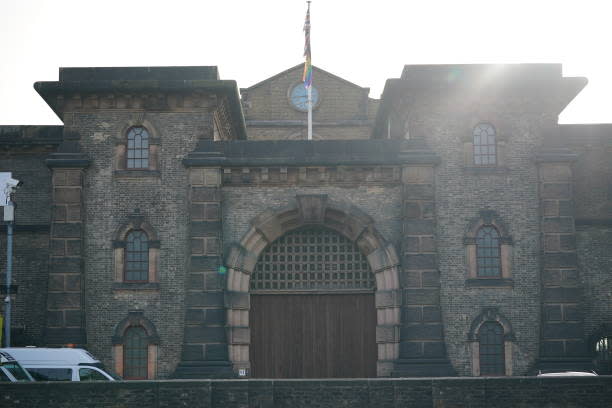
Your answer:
<point x="492" y="353"/>
<point x="484" y="145"/>
<point x="603" y="355"/>
<point x="603" y="348"/>
<point x="312" y="259"/>
<point x="137" y="257"/>
<point x="135" y="354"/>
<point x="488" y="253"/>
<point x="137" y="148"/>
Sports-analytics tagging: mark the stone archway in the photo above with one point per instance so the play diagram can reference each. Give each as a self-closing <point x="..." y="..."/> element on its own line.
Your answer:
<point x="346" y="220"/>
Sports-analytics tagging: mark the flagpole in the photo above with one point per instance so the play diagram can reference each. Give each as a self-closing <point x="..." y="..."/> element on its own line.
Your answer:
<point x="307" y="77"/>
<point x="310" y="113"/>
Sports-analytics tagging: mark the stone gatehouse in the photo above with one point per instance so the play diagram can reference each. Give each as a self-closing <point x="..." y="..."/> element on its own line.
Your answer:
<point x="178" y="226"/>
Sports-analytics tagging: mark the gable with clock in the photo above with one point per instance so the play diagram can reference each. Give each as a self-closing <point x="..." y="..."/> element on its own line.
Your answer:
<point x="276" y="108"/>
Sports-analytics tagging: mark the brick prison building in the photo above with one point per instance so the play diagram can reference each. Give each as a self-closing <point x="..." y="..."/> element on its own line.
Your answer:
<point x="178" y="226"/>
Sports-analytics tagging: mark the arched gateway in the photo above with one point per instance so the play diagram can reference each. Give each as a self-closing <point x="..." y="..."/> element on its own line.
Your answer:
<point x="314" y="217"/>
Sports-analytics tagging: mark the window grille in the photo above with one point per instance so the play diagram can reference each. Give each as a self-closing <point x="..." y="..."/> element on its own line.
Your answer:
<point x="484" y="145"/>
<point x="492" y="353"/>
<point x="488" y="253"/>
<point x="312" y="259"/>
<point x="137" y="257"/>
<point x="603" y="355"/>
<point x="603" y="348"/>
<point x="135" y="354"/>
<point x="138" y="148"/>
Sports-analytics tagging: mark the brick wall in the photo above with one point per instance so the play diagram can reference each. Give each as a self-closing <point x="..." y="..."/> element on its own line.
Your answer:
<point x="594" y="246"/>
<point x="445" y="122"/>
<point x="577" y="392"/>
<point x="242" y="204"/>
<point x="30" y="244"/>
<point x="161" y="199"/>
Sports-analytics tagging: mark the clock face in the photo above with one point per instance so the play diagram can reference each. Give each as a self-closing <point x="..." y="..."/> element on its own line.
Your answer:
<point x="299" y="97"/>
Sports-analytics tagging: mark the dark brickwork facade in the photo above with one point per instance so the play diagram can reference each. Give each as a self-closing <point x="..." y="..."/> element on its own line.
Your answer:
<point x="227" y="176"/>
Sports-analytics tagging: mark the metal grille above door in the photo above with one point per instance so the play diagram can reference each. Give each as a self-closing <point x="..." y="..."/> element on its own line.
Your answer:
<point x="312" y="259"/>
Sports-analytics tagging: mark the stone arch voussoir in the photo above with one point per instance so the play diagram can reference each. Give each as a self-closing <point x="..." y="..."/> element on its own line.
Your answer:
<point x="345" y="219"/>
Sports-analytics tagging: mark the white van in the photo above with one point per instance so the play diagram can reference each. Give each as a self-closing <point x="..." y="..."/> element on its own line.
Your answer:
<point x="61" y="364"/>
<point x="10" y="370"/>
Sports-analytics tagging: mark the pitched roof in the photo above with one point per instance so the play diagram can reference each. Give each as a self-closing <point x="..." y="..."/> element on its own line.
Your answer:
<point x="299" y="66"/>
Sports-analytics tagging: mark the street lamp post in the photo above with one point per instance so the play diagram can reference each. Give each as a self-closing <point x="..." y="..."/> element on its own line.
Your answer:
<point x="9" y="217"/>
<point x="7" y="186"/>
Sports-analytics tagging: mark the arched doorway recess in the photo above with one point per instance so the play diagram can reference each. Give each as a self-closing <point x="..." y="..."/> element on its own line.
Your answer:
<point x="314" y="211"/>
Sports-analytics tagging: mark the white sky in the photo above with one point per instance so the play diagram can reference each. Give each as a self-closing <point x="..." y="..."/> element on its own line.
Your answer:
<point x="364" y="42"/>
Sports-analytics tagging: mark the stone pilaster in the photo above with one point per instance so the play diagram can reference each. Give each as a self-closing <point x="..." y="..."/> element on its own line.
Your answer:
<point x="562" y="340"/>
<point x="422" y="348"/>
<point x="205" y="341"/>
<point x="65" y="319"/>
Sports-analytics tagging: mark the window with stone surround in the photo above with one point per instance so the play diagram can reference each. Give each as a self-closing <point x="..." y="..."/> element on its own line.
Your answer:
<point x="491" y="337"/>
<point x="136" y="254"/>
<point x="491" y="353"/>
<point x="485" y="146"/>
<point x="135" y="365"/>
<point x="483" y="150"/>
<point x="488" y="252"/>
<point x="601" y="347"/>
<point x="136" y="150"/>
<point x="488" y="248"/>
<point x="137" y="156"/>
<point x="136" y="257"/>
<point x="135" y="347"/>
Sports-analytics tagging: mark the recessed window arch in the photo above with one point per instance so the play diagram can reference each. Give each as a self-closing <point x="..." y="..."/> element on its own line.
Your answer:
<point x="136" y="254"/>
<point x="601" y="347"/>
<point x="491" y="349"/>
<point x="137" y="149"/>
<point x="491" y="337"/>
<point x="137" y="155"/>
<point x="135" y="354"/>
<point x="135" y="347"/>
<point x="137" y="257"/>
<point x="485" y="145"/>
<point x="488" y="252"/>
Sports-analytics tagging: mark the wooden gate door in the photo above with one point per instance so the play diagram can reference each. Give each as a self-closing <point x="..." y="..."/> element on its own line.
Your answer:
<point x="313" y="336"/>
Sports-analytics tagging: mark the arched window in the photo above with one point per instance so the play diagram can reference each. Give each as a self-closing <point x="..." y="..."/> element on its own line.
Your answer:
<point x="137" y="257"/>
<point x="491" y="352"/>
<point x="135" y="345"/>
<point x="488" y="247"/>
<point x="488" y="253"/>
<point x="135" y="354"/>
<point x="137" y="148"/>
<point x="603" y="355"/>
<point x="484" y="145"/>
